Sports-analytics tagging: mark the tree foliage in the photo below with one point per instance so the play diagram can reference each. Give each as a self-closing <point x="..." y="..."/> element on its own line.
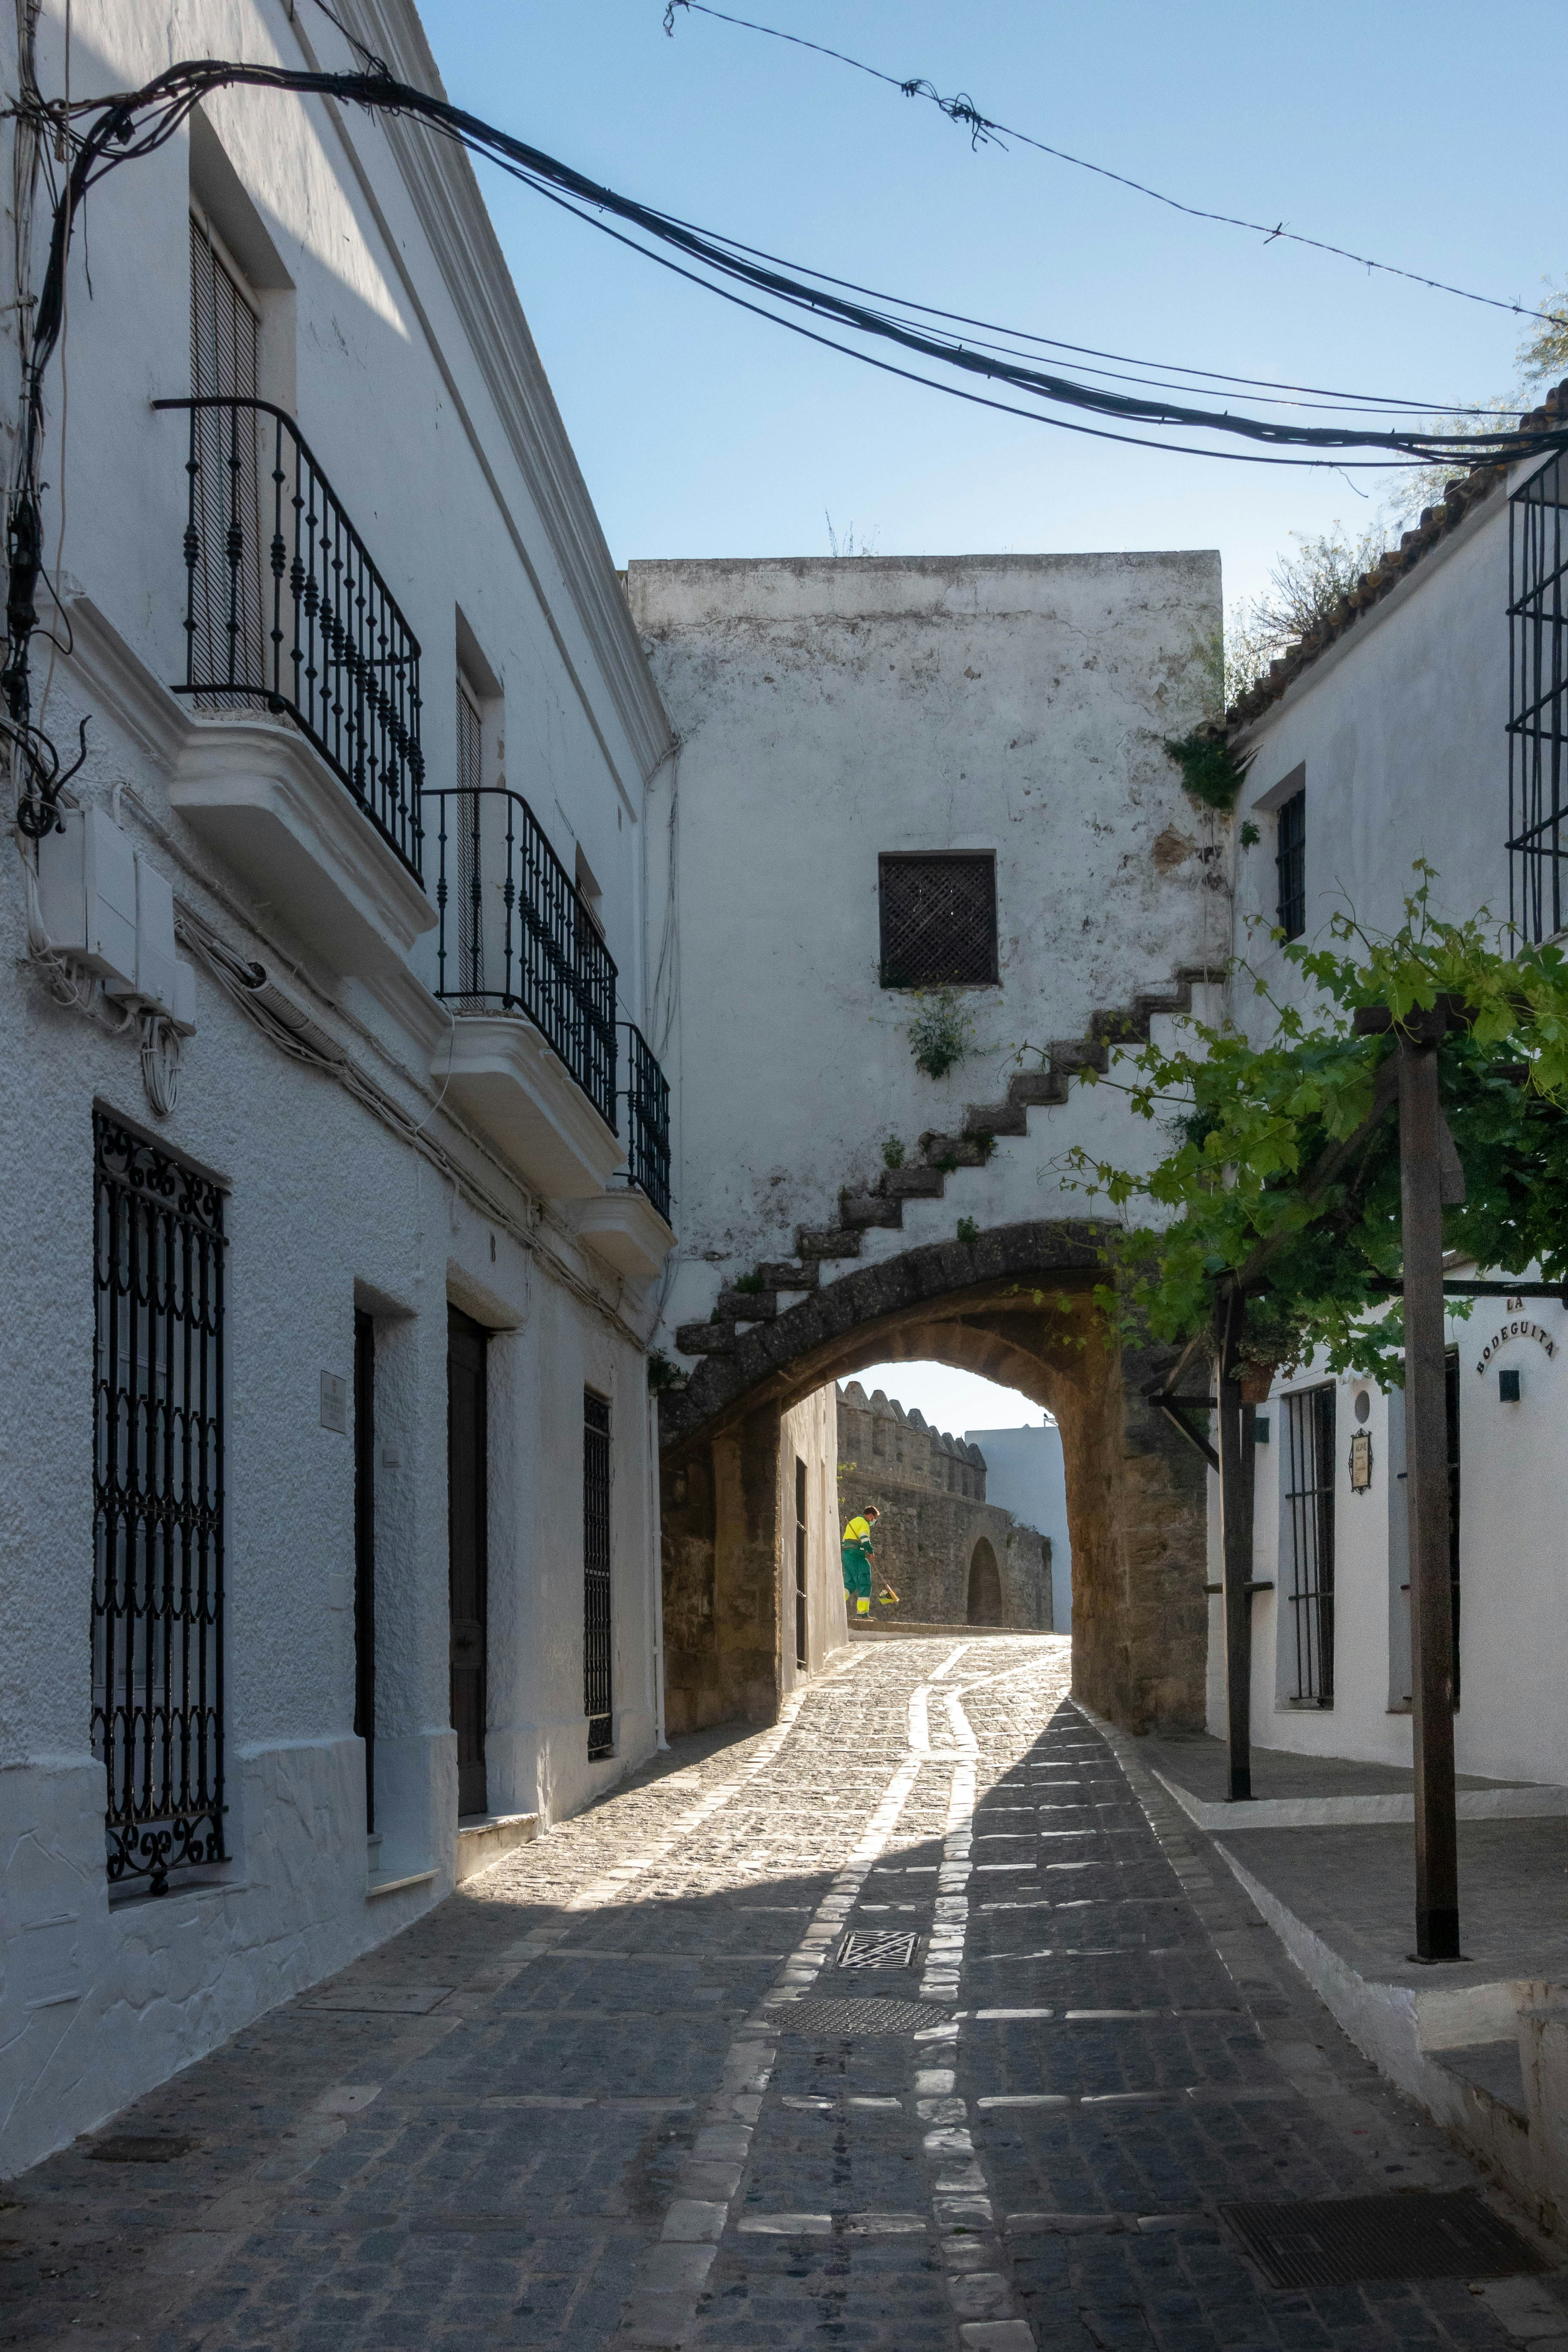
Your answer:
<point x="1246" y="1125"/>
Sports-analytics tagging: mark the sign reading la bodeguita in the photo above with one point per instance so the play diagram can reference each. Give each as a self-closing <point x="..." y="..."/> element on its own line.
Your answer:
<point x="1520" y="1328"/>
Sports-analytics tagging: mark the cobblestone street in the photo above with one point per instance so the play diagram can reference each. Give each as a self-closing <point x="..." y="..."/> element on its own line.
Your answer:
<point x="597" y="2098"/>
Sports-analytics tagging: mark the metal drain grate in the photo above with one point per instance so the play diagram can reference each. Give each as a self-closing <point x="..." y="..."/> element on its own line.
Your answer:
<point x="877" y="1949"/>
<point x="1343" y="2241"/>
<point x="856" y="2017"/>
<point x="130" y="2149"/>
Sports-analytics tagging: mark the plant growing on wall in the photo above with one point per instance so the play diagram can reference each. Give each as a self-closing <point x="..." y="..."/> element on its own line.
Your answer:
<point x="893" y="1152"/>
<point x="1245" y="1123"/>
<point x="662" y="1374"/>
<point x="940" y="1032"/>
<point x="1210" y="769"/>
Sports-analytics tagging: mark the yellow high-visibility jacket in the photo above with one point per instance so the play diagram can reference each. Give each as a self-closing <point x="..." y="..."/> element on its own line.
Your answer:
<point x="857" y="1534"/>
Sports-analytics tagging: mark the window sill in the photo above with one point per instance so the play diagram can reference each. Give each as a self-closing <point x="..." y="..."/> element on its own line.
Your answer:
<point x="134" y="1898"/>
<point x="376" y="1887"/>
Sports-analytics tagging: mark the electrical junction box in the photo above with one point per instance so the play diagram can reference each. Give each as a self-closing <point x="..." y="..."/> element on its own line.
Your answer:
<point x="183" y="1011"/>
<point x="87" y="894"/>
<point x="154" y="984"/>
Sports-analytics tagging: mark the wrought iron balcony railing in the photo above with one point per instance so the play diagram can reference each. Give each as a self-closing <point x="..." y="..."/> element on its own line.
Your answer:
<point x="646" y="1096"/>
<point x="515" y="934"/>
<point x="285" y="609"/>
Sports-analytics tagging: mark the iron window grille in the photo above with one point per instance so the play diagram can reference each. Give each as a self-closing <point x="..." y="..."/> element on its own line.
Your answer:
<point x="938" y="919"/>
<point x="646" y="1097"/>
<point x="597" y="1691"/>
<point x="158" y="1506"/>
<point x="1309" y="1511"/>
<point x="325" y="644"/>
<point x="513" y="933"/>
<point x="1290" y="864"/>
<point x="1538" y="703"/>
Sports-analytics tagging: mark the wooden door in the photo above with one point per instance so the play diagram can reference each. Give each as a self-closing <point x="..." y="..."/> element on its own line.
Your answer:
<point x="467" y="1562"/>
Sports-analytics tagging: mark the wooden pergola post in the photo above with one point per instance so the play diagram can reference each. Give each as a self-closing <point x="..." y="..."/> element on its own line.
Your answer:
<point x="1422" y="1134"/>
<point x="1235" y="1429"/>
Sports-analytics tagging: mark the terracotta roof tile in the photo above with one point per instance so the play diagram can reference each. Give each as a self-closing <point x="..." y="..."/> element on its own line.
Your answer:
<point x="1435" y="523"/>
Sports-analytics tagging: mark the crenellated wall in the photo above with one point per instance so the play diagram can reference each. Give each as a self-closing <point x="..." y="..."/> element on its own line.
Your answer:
<point x="935" y="1523"/>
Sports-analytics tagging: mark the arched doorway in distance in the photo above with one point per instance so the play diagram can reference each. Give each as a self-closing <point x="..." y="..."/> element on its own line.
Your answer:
<point x="985" y="1585"/>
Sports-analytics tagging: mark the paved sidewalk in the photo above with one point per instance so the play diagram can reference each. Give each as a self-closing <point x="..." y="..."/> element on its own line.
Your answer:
<point x="594" y="2099"/>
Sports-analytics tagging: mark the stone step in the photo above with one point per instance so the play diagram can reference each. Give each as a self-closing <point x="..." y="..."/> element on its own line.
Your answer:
<point x="821" y="1242"/>
<point x="1038" y="1086"/>
<point x="961" y="1150"/>
<point x="995" y="1118"/>
<point x="786" y="1274"/>
<point x="858" y="1210"/>
<point x="747" y="1306"/>
<point x="706" y="1338"/>
<point x="1086" y="1052"/>
<point x="912" y="1183"/>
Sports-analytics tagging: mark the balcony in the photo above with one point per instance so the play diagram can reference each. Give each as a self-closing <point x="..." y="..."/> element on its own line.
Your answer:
<point x="287" y="620"/>
<point x="533" y="1057"/>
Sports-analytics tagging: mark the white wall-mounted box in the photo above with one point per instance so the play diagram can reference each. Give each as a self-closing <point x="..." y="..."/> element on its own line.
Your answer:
<point x="155" y="984"/>
<point x="87" y="893"/>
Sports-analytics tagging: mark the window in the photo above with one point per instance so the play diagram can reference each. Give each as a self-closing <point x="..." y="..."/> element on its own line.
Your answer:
<point x="597" y="1697"/>
<point x="938" y="919"/>
<point x="1310" y="1542"/>
<point x="226" y="590"/>
<point x="799" y="1561"/>
<point x="158" y="1505"/>
<point x="1538" y="703"/>
<point x="1291" y="861"/>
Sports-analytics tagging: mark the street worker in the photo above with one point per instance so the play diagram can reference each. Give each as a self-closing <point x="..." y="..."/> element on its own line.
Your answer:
<point x="856" y="1555"/>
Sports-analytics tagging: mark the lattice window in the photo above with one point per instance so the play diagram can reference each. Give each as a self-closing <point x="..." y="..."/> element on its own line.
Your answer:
<point x="1290" y="864"/>
<point x="1538" y="703"/>
<point x="597" y="1692"/>
<point x="1310" y="1539"/>
<point x="158" y="1505"/>
<point x="939" y="920"/>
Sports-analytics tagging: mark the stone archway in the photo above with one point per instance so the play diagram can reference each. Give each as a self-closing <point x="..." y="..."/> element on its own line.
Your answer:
<point x="984" y="1599"/>
<point x="1016" y="1307"/>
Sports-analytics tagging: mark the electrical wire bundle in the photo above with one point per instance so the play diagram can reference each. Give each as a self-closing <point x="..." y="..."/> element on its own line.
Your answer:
<point x="1121" y="391"/>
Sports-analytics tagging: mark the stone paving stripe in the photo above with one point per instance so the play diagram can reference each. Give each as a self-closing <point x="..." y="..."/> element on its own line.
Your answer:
<point x="381" y="2000"/>
<point x="786" y="2225"/>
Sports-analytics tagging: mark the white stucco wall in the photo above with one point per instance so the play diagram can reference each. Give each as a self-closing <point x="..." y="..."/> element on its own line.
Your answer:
<point x="1024" y="1473"/>
<point x="1400" y="733"/>
<point x="417" y="386"/>
<point x="831" y="710"/>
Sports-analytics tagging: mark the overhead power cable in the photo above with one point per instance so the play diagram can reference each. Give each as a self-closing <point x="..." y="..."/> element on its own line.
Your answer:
<point x="133" y="125"/>
<point x="984" y="132"/>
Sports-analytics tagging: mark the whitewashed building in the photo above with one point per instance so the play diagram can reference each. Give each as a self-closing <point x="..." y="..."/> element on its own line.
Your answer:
<point x="1423" y="723"/>
<point x="332" y="1146"/>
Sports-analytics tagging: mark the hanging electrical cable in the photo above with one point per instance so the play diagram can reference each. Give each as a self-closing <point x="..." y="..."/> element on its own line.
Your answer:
<point x="984" y="132"/>
<point x="129" y="125"/>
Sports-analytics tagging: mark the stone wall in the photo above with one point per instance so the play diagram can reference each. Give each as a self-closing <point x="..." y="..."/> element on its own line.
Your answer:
<point x="936" y="1536"/>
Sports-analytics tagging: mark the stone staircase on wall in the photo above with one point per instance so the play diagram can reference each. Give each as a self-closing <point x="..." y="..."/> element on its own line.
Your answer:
<point x="755" y="1296"/>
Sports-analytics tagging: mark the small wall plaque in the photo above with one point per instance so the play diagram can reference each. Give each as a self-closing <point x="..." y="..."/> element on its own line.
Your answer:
<point x="1361" y="1462"/>
<point x="334" y="1403"/>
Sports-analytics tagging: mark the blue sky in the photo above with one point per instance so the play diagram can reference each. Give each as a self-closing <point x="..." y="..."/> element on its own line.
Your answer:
<point x="703" y="432"/>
